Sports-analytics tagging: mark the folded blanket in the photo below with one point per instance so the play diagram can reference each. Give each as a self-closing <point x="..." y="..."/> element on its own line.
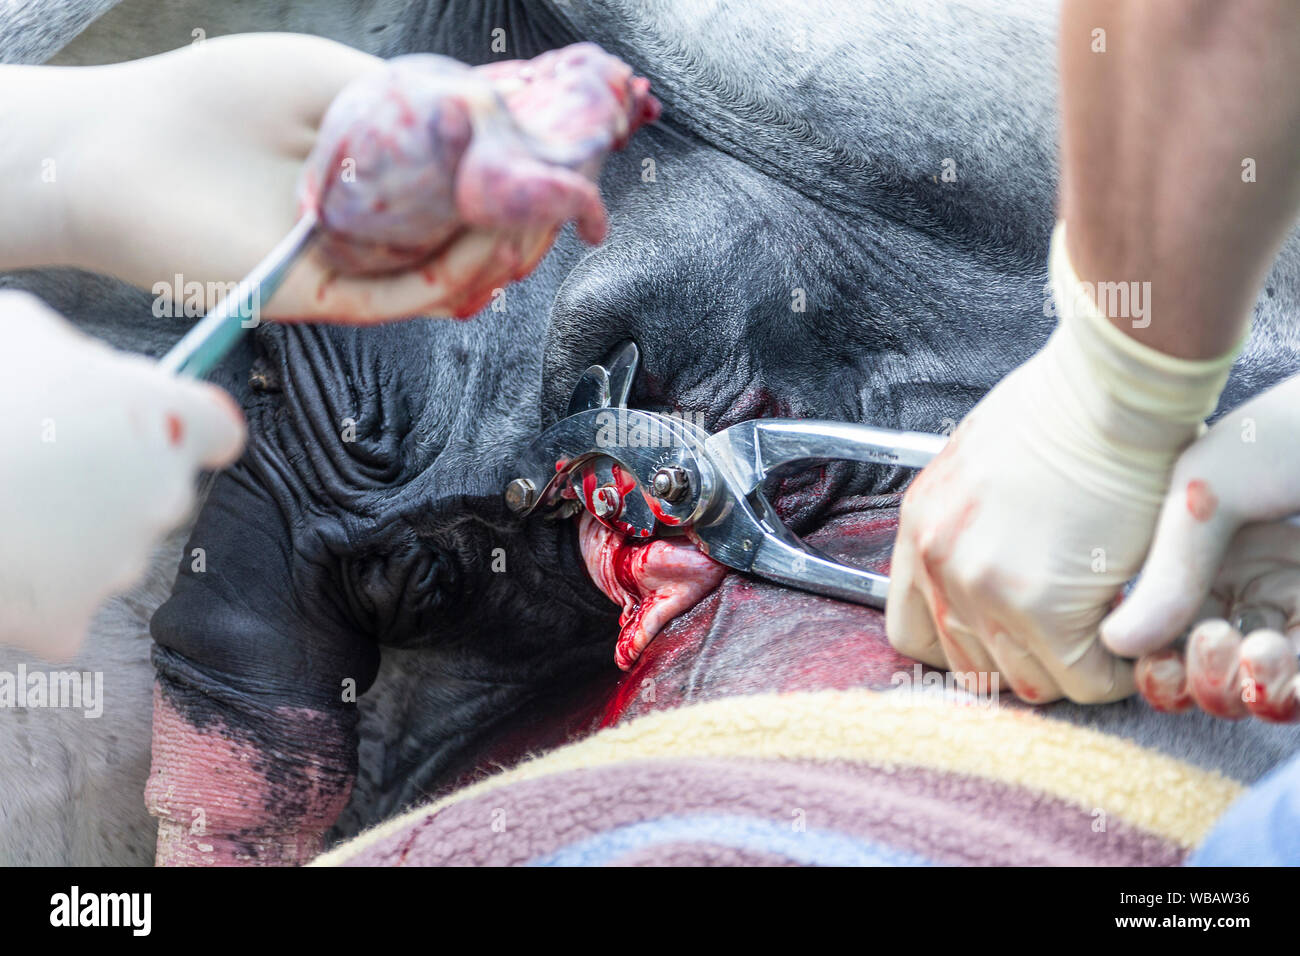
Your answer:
<point x="823" y="777"/>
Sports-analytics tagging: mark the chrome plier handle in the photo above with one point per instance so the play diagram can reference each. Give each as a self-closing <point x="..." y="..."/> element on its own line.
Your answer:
<point x="741" y="529"/>
<point x="647" y="474"/>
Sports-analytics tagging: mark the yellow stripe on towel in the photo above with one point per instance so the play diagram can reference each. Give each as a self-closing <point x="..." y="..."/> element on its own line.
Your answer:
<point x="1095" y="771"/>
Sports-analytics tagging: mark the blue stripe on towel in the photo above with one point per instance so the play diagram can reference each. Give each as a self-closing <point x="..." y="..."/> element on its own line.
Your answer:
<point x="809" y="847"/>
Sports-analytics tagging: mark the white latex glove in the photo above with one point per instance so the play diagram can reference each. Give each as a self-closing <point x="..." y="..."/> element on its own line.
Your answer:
<point x="1222" y="554"/>
<point x="100" y="455"/>
<point x="1015" y="541"/>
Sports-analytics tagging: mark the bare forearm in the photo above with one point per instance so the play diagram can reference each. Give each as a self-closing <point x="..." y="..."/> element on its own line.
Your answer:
<point x="37" y="115"/>
<point x="1181" y="157"/>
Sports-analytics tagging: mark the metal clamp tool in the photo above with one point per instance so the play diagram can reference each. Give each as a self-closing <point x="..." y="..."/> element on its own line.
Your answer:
<point x="645" y="474"/>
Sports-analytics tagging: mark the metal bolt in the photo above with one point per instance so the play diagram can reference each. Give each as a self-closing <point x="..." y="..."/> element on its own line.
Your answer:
<point x="606" y="502"/>
<point x="670" y="483"/>
<point x="520" y="495"/>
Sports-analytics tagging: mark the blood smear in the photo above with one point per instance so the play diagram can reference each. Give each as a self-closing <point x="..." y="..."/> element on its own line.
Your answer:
<point x="175" y="428"/>
<point x="1201" y="501"/>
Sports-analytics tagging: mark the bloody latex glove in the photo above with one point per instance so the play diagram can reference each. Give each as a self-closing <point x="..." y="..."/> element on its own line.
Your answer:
<point x="101" y="452"/>
<point x="466" y="174"/>
<point x="1015" y="541"/>
<point x="1224" y="555"/>
<point x="242" y="116"/>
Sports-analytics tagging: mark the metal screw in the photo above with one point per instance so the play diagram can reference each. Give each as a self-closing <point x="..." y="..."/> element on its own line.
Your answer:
<point x="606" y="502"/>
<point x="520" y="495"/>
<point x="670" y="483"/>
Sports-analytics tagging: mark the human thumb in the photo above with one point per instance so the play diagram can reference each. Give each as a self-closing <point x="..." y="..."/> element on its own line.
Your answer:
<point x="1190" y="541"/>
<point x="205" y="423"/>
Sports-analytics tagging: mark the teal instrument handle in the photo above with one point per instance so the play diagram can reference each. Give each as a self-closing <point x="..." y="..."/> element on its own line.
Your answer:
<point x="207" y="343"/>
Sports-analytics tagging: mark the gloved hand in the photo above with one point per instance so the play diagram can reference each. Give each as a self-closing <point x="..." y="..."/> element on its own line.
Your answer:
<point x="432" y="163"/>
<point x="1223" y="556"/>
<point x="101" y="451"/>
<point x="196" y="155"/>
<point x="1017" y="538"/>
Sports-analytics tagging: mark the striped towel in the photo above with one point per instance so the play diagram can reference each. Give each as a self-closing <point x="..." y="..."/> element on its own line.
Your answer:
<point x="854" y="777"/>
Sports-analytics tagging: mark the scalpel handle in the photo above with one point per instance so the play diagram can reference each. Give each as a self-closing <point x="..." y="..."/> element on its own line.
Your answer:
<point x="207" y="343"/>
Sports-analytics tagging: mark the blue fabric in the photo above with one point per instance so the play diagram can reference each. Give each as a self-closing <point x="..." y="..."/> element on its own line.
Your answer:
<point x="1262" y="828"/>
<point x="809" y="847"/>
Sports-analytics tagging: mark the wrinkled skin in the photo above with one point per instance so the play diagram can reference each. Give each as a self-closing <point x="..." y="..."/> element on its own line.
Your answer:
<point x="797" y="252"/>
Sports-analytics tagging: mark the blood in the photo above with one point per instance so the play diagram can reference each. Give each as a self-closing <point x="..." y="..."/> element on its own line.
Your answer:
<point x="1162" y="681"/>
<point x="1201" y="500"/>
<point x="624" y="483"/>
<point x="323" y="289"/>
<point x="628" y="563"/>
<point x="405" y="115"/>
<point x="934" y="554"/>
<point x="625" y="651"/>
<point x="471" y="306"/>
<point x="664" y="517"/>
<point x="1283" y="709"/>
<point x="1209" y="663"/>
<point x="622" y="699"/>
<point x="175" y="428"/>
<point x="411" y="156"/>
<point x="746" y="637"/>
<point x="652" y="581"/>
<point x="1213" y="665"/>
